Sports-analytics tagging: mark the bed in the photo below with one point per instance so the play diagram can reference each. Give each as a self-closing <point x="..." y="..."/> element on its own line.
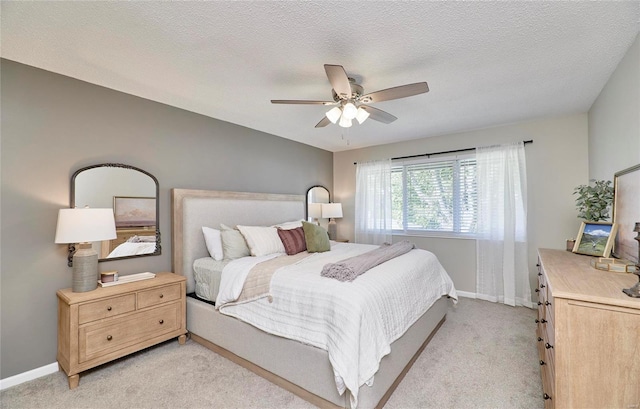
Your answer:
<point x="299" y="367"/>
<point x="134" y="246"/>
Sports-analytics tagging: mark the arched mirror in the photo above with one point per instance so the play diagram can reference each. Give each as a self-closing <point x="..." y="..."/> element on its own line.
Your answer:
<point x="132" y="193"/>
<point x="316" y="195"/>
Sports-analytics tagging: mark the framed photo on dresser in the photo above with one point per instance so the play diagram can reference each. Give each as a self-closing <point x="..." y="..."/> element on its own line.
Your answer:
<point x="595" y="239"/>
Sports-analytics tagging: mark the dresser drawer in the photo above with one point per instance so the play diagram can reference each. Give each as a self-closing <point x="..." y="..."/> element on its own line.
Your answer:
<point x="103" y="338"/>
<point x="158" y="295"/>
<point x="106" y="308"/>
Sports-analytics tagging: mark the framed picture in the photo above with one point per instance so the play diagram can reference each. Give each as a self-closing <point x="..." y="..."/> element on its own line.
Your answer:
<point x="595" y="239"/>
<point x="626" y="213"/>
<point x="134" y="211"/>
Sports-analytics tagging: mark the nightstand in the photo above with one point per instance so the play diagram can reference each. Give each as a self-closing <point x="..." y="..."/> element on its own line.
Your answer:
<point x="99" y="326"/>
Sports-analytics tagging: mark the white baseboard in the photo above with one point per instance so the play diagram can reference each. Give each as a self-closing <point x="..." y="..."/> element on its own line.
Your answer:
<point x="28" y="376"/>
<point x="466" y="294"/>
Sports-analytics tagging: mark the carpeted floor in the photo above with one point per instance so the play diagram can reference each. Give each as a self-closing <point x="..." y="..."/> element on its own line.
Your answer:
<point x="484" y="356"/>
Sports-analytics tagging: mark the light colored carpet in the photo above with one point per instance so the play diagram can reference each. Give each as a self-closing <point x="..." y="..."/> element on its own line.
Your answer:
<point x="484" y="356"/>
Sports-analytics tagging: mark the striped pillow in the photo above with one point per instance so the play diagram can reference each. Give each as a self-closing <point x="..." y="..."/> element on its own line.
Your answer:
<point x="293" y="240"/>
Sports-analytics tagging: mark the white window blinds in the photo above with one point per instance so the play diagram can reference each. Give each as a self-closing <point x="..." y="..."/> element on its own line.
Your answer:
<point x="437" y="196"/>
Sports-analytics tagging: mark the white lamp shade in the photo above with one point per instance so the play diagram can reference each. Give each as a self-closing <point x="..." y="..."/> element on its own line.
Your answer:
<point x="315" y="210"/>
<point x="331" y="210"/>
<point x="344" y="122"/>
<point x="85" y="225"/>
<point x="362" y="115"/>
<point x="334" y="114"/>
<point x="349" y="110"/>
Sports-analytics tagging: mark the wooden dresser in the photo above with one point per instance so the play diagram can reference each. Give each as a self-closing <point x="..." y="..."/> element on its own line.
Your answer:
<point x="588" y="334"/>
<point x="98" y="326"/>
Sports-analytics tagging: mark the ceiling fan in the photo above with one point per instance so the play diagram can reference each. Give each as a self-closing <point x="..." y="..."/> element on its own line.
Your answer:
<point x="349" y="100"/>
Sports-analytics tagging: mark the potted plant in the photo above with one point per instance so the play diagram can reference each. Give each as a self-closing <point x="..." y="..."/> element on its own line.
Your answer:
<point x="593" y="201"/>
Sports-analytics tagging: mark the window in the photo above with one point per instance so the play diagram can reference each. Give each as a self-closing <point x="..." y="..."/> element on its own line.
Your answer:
<point x="435" y="196"/>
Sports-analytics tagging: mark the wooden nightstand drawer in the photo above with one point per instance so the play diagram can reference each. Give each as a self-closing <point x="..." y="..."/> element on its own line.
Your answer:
<point x="158" y="295"/>
<point x="102" y="338"/>
<point x="106" y="308"/>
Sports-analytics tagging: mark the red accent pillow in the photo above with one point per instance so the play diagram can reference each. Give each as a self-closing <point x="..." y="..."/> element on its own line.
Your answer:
<point x="293" y="240"/>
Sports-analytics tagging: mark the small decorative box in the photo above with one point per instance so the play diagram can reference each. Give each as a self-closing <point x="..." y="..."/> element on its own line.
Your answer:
<point x="109" y="276"/>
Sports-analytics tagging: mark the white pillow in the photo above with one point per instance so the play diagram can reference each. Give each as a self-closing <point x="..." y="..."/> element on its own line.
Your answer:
<point x="214" y="242"/>
<point x="289" y="225"/>
<point x="262" y="240"/>
<point x="233" y="243"/>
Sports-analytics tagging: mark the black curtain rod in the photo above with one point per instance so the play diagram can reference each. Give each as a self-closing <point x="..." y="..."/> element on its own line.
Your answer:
<point x="441" y="153"/>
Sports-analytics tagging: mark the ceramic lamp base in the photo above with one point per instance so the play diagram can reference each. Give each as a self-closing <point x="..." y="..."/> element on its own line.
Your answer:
<point x="332" y="229"/>
<point x="85" y="269"/>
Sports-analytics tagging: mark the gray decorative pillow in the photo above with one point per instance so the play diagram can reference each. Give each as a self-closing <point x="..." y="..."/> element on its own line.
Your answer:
<point x="316" y="238"/>
<point x="233" y="243"/>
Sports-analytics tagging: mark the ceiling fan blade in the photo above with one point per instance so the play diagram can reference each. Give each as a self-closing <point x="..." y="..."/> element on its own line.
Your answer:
<point x="297" y="101"/>
<point x="338" y="79"/>
<point x="323" y="122"/>
<point x="402" y="91"/>
<point x="378" y="114"/>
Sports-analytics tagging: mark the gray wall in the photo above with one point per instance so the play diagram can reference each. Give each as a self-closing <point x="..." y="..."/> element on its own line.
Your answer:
<point x="53" y="125"/>
<point x="557" y="161"/>
<point x="614" y="120"/>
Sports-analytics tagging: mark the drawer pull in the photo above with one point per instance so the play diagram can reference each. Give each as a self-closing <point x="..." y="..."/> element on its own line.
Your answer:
<point x="537" y="290"/>
<point x="161" y="295"/>
<point x="109" y="337"/>
<point x="542" y="321"/>
<point x="546" y="396"/>
<point x="537" y="264"/>
<point x="539" y="339"/>
<point x="109" y="308"/>
<point x="537" y="321"/>
<point x="539" y="274"/>
<point x="539" y="302"/>
<point x="542" y="362"/>
<point x="548" y="345"/>
<point x="161" y="322"/>
<point x="547" y="303"/>
<point x="542" y="286"/>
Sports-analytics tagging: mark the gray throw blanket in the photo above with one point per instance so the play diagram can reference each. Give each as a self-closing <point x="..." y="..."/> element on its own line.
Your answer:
<point x="350" y="268"/>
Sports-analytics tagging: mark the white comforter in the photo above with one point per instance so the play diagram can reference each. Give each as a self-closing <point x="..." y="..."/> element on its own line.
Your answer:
<point x="355" y="322"/>
<point x="132" y="249"/>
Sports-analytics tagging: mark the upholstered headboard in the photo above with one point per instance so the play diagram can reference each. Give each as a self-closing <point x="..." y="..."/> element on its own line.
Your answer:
<point x="193" y="209"/>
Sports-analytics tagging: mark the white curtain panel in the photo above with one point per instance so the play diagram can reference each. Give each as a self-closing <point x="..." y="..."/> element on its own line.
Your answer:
<point x="373" y="202"/>
<point x="502" y="272"/>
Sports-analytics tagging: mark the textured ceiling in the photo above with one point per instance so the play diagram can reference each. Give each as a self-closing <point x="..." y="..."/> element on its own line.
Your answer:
<point x="487" y="63"/>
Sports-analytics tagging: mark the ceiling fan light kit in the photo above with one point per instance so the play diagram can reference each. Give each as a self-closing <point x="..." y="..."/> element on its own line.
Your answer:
<point x="351" y="99"/>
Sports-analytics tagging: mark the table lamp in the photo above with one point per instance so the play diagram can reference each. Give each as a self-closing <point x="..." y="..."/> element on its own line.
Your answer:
<point x="332" y="211"/>
<point x="84" y="226"/>
<point x="315" y="212"/>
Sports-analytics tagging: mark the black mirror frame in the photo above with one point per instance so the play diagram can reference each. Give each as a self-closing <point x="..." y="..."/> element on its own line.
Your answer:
<point x="306" y="199"/>
<point x="72" y="192"/>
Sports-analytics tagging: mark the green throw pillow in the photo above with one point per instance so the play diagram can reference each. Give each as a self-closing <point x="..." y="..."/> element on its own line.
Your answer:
<point x="316" y="238"/>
